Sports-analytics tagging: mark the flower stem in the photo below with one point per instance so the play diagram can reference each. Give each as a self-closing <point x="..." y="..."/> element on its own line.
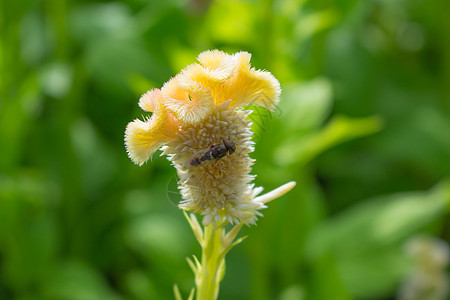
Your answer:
<point x="211" y="272"/>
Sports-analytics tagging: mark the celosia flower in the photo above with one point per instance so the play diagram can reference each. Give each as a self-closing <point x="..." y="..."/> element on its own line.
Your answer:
<point x="198" y="117"/>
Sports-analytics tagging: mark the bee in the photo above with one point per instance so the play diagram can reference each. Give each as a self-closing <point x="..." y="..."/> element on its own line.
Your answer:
<point x="215" y="152"/>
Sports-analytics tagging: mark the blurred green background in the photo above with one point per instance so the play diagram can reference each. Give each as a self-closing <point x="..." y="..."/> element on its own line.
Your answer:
<point x="363" y="127"/>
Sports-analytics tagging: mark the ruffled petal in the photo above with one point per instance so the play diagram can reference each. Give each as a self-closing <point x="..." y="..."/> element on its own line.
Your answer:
<point x="143" y="138"/>
<point x="189" y="101"/>
<point x="149" y="100"/>
<point x="242" y="60"/>
<point x="202" y="75"/>
<point x="249" y="86"/>
<point x="217" y="64"/>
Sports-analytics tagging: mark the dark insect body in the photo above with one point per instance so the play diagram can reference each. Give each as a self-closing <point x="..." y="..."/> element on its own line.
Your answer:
<point x="215" y="152"/>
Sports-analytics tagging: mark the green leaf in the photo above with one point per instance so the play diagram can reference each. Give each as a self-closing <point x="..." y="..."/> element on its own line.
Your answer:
<point x="74" y="281"/>
<point x="158" y="236"/>
<point x="375" y="273"/>
<point x="339" y="130"/>
<point x="366" y="240"/>
<point x="28" y="235"/>
<point x="177" y="293"/>
<point x="379" y="222"/>
<point x="311" y="24"/>
<point x="305" y="106"/>
<point x="326" y="282"/>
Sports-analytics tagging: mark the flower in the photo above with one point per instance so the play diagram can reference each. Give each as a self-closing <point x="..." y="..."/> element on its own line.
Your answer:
<point x="199" y="122"/>
<point x="427" y="279"/>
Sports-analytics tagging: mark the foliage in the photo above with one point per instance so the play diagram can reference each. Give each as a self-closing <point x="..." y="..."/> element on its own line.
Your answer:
<point x="364" y="115"/>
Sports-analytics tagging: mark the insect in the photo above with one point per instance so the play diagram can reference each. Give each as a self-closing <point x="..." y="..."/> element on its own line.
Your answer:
<point x="215" y="152"/>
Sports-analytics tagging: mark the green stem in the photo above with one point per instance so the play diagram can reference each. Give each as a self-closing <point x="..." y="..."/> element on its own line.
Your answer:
<point x="209" y="276"/>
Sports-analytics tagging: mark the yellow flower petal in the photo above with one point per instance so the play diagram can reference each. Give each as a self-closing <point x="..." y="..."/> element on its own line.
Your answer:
<point x="149" y="100"/>
<point x="242" y="60"/>
<point x="143" y="138"/>
<point x="189" y="101"/>
<point x="249" y="86"/>
<point x="217" y="64"/>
